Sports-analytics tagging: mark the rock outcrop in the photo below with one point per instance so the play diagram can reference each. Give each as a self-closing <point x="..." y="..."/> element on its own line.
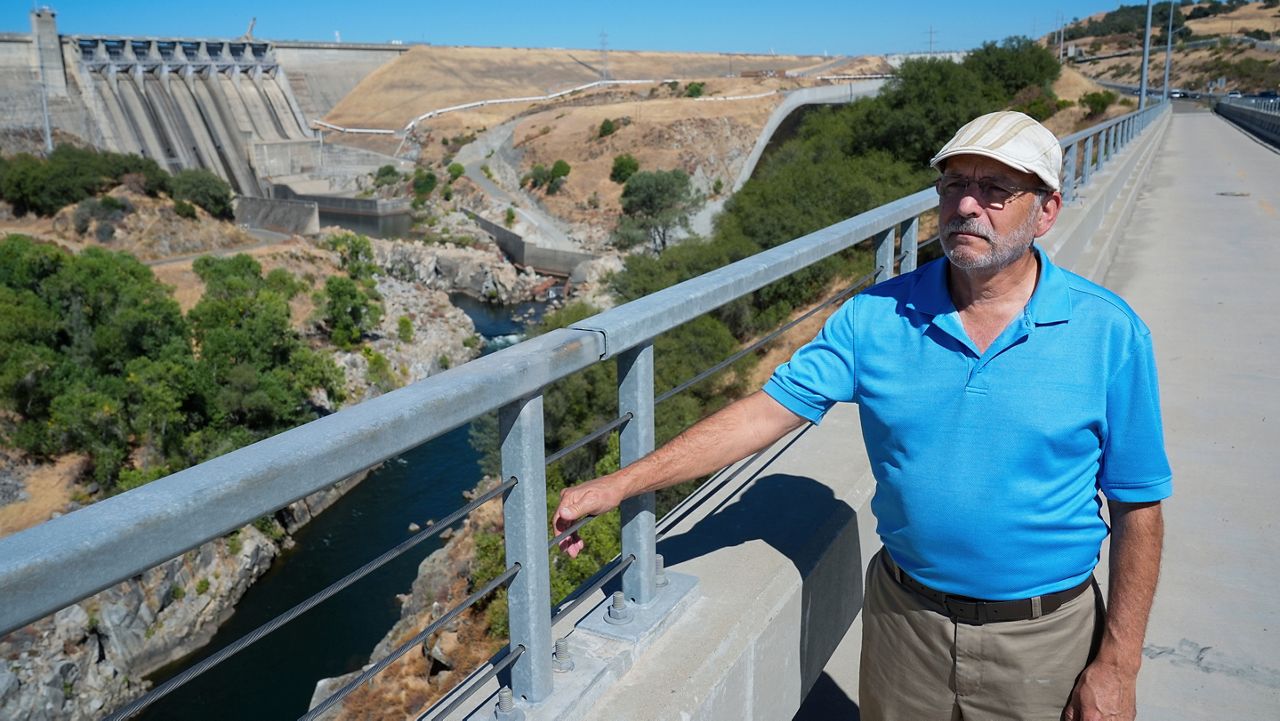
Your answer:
<point x="480" y="271"/>
<point x="89" y="658"/>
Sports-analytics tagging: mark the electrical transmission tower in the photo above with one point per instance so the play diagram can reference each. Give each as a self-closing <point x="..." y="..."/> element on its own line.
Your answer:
<point x="604" y="56"/>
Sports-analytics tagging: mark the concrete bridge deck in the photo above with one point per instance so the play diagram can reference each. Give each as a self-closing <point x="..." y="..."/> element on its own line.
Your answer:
<point x="1200" y="262"/>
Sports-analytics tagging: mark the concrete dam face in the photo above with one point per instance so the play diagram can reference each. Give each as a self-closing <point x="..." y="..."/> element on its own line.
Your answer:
<point x="190" y="103"/>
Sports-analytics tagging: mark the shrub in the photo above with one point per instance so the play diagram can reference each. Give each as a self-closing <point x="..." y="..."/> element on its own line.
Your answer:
<point x="717" y="187"/>
<point x="379" y="374"/>
<point x="205" y="190"/>
<point x="184" y="209"/>
<point x="177" y="592"/>
<point x="624" y="166"/>
<point x="444" y="362"/>
<point x="607" y="128"/>
<point x="269" y="527"/>
<point x="404" y="328"/>
<point x="694" y="90"/>
<point x="234" y="544"/>
<point x="1098" y="102"/>
<point x="424" y="181"/>
<point x="455" y="171"/>
<point x="106" y="231"/>
<point x="386" y="175"/>
<point x="202" y="586"/>
<point x="509" y="217"/>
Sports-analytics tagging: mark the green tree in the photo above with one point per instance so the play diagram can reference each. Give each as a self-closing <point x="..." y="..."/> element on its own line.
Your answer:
<point x="654" y="204"/>
<point x="386" y="175"/>
<point x="455" y="171"/>
<point x="624" y="166"/>
<point x="607" y="128"/>
<point x="424" y="181"/>
<point x="1013" y="64"/>
<point x="348" y="312"/>
<point x="694" y="90"/>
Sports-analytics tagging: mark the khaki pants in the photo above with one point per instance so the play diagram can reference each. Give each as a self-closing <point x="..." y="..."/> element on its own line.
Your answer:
<point x="919" y="665"/>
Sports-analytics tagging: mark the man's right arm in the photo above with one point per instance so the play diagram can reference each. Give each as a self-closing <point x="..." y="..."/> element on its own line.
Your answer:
<point x="729" y="435"/>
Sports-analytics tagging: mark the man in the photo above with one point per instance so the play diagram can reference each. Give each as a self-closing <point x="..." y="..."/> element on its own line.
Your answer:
<point x="998" y="395"/>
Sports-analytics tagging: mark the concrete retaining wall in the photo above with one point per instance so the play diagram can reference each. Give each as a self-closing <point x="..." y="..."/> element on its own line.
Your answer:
<point x="295" y="217"/>
<point x="521" y="252"/>
<point x="351" y="206"/>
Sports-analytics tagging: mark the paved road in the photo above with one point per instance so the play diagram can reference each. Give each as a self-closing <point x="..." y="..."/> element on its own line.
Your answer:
<point x="1201" y="264"/>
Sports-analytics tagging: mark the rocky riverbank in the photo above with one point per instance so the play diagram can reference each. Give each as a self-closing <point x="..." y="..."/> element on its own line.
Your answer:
<point x="427" y="672"/>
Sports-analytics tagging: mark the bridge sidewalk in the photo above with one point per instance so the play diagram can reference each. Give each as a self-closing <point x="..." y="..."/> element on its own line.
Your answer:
<point x="1200" y="263"/>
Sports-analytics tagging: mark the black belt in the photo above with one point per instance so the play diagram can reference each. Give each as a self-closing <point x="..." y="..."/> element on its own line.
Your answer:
<point x="977" y="612"/>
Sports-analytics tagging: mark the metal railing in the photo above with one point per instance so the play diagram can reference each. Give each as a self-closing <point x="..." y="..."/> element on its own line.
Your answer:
<point x="50" y="566"/>
<point x="1089" y="150"/>
<point x="1260" y="116"/>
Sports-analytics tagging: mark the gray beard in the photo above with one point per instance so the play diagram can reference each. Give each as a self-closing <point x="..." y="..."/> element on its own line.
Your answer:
<point x="1005" y="249"/>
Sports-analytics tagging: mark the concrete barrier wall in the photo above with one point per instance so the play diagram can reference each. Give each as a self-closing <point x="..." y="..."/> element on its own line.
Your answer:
<point x="352" y="206"/>
<point x="521" y="252"/>
<point x="295" y="217"/>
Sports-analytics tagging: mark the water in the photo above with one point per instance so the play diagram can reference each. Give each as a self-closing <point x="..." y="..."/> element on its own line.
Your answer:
<point x="501" y="325"/>
<point x="274" y="678"/>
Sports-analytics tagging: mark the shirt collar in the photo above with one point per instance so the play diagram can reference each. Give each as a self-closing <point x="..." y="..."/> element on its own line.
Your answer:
<point x="1050" y="303"/>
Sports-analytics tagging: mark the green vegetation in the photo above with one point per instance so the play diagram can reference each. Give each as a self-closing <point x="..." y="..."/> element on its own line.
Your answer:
<point x="455" y="171"/>
<point x="70" y="174"/>
<point x="551" y="178"/>
<point x="203" y="189"/>
<point x="380" y="374"/>
<point x="202" y="586"/>
<point x="177" y="592"/>
<point x="654" y="204"/>
<point x="424" y="181"/>
<point x="99" y="359"/>
<point x="509" y="217"/>
<point x="404" y="329"/>
<point x="350" y="311"/>
<point x="386" y="175"/>
<point x="1098" y="102"/>
<point x="183" y="209"/>
<point x="607" y="128"/>
<point x="1131" y="20"/>
<point x="624" y="166"/>
<point x="694" y="90"/>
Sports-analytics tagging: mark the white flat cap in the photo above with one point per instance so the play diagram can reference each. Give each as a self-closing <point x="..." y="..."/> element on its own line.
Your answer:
<point x="1012" y="138"/>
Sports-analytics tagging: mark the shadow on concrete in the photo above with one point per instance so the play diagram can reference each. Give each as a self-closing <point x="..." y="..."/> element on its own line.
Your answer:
<point x="827" y="702"/>
<point x="802" y="519"/>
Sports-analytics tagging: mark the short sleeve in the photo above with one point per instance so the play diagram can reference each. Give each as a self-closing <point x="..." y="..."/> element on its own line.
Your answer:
<point x="1135" y="468"/>
<point x="822" y="372"/>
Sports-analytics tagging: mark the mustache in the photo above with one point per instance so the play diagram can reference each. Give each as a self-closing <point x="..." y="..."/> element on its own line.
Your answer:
<point x="968" y="226"/>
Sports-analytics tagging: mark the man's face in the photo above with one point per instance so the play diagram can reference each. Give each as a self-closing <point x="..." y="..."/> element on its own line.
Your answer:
<point x="988" y="231"/>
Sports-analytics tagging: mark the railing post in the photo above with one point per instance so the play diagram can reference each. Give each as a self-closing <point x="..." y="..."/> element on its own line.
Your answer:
<point x="524" y="514"/>
<point x="1069" y="174"/>
<point x="1115" y="141"/>
<point x="1087" y="170"/>
<point x="635" y="396"/>
<point x="910" y="231"/>
<point x="884" y="254"/>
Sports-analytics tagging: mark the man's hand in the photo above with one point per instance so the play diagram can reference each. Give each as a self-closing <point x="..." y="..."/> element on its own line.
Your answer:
<point x="588" y="499"/>
<point x="1104" y="692"/>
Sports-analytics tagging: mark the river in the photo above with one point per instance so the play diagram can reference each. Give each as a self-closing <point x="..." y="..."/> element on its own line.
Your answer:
<point x="275" y="677"/>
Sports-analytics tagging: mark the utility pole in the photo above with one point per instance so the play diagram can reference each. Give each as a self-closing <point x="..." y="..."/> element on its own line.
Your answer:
<point x="1146" y="58"/>
<point x="1168" y="52"/>
<point x="931" y="33"/>
<point x="604" y="55"/>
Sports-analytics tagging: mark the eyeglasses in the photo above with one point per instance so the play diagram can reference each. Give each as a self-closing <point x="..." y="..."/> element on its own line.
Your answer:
<point x="991" y="193"/>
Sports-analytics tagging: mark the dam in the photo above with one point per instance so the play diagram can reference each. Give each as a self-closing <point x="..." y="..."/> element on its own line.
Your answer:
<point x="224" y="105"/>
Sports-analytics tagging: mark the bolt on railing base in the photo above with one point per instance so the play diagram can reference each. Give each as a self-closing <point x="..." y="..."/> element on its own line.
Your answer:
<point x="603" y="652"/>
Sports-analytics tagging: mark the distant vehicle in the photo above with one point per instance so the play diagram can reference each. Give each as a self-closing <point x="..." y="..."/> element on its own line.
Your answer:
<point x="1235" y="94"/>
<point x="1177" y="93"/>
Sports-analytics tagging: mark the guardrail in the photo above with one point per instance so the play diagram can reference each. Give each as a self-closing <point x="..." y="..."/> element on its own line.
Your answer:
<point x="1260" y="116"/>
<point x="1089" y="150"/>
<point x="66" y="559"/>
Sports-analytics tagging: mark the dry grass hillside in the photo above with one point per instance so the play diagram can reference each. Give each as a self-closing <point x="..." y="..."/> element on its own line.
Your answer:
<point x="430" y="78"/>
<point x="1193" y="69"/>
<point x="709" y="139"/>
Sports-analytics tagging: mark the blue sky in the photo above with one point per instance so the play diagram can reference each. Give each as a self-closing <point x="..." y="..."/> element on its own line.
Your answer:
<point x="799" y="26"/>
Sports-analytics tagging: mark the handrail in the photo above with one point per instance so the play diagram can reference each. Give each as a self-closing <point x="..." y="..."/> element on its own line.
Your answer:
<point x="47" y="567"/>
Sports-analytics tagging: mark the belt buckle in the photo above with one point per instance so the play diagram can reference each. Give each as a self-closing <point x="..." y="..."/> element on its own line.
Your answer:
<point x="967" y="611"/>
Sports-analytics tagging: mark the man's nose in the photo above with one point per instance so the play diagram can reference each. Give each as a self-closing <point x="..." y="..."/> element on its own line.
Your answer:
<point x="969" y="206"/>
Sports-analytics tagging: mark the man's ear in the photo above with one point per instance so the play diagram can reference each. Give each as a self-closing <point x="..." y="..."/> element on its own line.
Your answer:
<point x="1048" y="212"/>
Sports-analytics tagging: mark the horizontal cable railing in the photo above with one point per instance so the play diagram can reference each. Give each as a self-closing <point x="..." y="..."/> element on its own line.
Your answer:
<point x="50" y="566"/>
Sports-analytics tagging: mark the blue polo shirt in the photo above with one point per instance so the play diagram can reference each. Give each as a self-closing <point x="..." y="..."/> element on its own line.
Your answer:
<point x="988" y="466"/>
